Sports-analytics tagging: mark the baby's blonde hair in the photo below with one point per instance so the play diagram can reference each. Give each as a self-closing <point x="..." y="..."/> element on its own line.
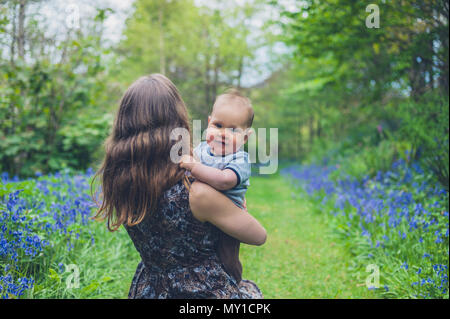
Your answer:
<point x="235" y="96"/>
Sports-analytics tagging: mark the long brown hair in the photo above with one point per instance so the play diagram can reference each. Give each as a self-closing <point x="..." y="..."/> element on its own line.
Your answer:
<point x="137" y="167"/>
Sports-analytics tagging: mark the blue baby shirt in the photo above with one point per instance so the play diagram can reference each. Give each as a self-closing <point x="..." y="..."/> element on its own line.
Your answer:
<point x="237" y="162"/>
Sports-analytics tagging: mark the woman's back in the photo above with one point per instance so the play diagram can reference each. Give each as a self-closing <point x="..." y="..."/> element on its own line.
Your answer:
<point x="142" y="189"/>
<point x="179" y="254"/>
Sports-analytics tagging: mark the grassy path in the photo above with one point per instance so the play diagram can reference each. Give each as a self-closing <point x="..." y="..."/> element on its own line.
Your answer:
<point x="300" y="258"/>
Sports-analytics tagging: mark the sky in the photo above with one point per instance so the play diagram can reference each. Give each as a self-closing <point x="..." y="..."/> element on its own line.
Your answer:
<point x="116" y="21"/>
<point x="56" y="13"/>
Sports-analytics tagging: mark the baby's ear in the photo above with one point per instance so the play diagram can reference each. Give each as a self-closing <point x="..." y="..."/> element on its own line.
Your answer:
<point x="249" y="131"/>
<point x="209" y="119"/>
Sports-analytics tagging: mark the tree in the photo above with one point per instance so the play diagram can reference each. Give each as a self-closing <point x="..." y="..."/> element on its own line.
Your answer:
<point x="47" y="86"/>
<point x="201" y="49"/>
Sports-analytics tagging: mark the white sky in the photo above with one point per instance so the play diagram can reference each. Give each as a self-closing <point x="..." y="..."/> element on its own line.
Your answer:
<point x="57" y="13"/>
<point x="114" y="23"/>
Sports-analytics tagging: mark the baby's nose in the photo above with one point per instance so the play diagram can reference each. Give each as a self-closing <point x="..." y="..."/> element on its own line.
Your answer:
<point x="226" y="133"/>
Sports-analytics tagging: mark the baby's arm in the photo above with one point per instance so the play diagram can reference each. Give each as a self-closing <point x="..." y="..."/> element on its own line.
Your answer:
<point x="219" y="179"/>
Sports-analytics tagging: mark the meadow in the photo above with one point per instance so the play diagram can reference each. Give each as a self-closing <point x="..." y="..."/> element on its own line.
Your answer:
<point x="357" y="93"/>
<point x="324" y="229"/>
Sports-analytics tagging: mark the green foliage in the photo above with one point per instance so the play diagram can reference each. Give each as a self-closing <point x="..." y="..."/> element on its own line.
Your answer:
<point x="52" y="114"/>
<point x="81" y="139"/>
<point x="425" y="124"/>
<point x="343" y="81"/>
<point x="202" y="50"/>
<point x="43" y="119"/>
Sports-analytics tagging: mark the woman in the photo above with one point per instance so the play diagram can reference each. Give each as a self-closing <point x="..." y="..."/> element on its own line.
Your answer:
<point x="168" y="218"/>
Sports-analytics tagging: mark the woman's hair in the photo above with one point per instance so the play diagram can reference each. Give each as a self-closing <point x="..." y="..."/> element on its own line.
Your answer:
<point x="137" y="167"/>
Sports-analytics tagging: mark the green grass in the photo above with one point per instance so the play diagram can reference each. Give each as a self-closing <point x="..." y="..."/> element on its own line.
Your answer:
<point x="300" y="258"/>
<point x="105" y="268"/>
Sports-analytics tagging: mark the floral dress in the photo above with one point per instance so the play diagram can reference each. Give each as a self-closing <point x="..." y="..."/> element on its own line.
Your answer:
<point x="179" y="255"/>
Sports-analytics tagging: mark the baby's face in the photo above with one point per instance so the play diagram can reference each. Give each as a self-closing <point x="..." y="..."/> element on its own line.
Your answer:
<point x="226" y="131"/>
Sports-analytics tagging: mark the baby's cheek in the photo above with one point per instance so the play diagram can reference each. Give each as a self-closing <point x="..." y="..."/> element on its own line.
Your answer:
<point x="233" y="143"/>
<point x="209" y="135"/>
<point x="238" y="140"/>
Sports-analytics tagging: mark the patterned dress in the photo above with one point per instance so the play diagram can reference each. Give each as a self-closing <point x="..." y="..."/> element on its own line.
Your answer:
<point x="179" y="255"/>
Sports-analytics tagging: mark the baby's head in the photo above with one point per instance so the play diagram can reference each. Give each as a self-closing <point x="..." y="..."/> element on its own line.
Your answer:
<point x="229" y="123"/>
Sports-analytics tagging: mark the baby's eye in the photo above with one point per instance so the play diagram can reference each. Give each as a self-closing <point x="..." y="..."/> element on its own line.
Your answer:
<point x="218" y="125"/>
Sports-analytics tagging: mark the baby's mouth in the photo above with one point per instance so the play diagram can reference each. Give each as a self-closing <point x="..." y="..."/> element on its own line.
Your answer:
<point x="220" y="142"/>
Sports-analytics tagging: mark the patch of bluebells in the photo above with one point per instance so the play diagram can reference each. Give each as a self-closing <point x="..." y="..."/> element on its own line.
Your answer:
<point x="35" y="215"/>
<point x="400" y="215"/>
<point x="9" y="287"/>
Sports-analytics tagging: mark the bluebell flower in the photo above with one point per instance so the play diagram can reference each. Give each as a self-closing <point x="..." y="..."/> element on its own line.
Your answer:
<point x="389" y="201"/>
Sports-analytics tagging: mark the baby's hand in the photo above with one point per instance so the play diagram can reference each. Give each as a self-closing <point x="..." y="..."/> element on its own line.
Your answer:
<point x="188" y="162"/>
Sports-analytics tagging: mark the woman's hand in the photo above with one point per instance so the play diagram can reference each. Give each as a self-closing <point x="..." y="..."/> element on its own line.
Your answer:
<point x="209" y="205"/>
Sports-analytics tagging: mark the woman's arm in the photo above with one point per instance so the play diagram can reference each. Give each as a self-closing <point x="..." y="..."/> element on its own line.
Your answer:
<point x="209" y="205"/>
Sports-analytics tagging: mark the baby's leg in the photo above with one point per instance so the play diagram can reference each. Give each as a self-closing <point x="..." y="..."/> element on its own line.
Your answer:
<point x="228" y="251"/>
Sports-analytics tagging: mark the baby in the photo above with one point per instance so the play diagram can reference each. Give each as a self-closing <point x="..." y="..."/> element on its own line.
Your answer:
<point x="221" y="162"/>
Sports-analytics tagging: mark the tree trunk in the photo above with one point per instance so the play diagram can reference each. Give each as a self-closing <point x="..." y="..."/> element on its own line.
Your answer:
<point x="207" y="81"/>
<point x="162" y="56"/>
<point x="319" y="128"/>
<point x="417" y="77"/>
<point x="443" y="65"/>
<point x="21" y="34"/>
<point x="13" y="36"/>
<point x="311" y="130"/>
<point x="216" y="76"/>
<point x="240" y="69"/>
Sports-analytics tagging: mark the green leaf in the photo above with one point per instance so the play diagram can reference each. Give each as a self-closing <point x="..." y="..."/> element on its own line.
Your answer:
<point x="54" y="275"/>
<point x="91" y="288"/>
